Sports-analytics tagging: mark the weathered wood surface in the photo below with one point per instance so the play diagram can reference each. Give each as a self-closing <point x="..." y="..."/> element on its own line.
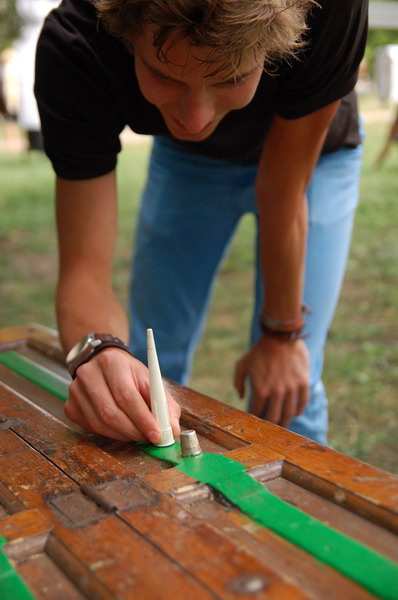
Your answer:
<point x="168" y="536"/>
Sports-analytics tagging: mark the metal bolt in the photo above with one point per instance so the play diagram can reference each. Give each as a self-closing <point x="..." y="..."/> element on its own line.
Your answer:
<point x="248" y="584"/>
<point x="189" y="443"/>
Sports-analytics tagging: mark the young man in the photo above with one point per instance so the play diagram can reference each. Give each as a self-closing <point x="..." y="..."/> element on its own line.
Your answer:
<point x="252" y="109"/>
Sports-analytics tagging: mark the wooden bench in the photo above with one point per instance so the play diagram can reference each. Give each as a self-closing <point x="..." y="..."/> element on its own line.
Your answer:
<point x="82" y="516"/>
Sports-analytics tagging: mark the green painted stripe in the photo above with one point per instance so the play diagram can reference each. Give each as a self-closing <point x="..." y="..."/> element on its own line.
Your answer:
<point x="360" y="563"/>
<point x="12" y="587"/>
<point x="35" y="373"/>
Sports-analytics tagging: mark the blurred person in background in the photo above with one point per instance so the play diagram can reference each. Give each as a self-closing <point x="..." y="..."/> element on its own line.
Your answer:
<point x="32" y="14"/>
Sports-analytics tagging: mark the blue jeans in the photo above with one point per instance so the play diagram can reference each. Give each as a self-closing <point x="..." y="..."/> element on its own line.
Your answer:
<point x="190" y="209"/>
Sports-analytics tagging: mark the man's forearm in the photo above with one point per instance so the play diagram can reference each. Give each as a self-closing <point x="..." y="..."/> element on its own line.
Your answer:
<point x="84" y="307"/>
<point x="288" y="159"/>
<point x="87" y="222"/>
<point x="282" y="253"/>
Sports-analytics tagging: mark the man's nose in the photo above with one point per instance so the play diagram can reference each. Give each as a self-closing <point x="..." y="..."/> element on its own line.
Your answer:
<point x="196" y="110"/>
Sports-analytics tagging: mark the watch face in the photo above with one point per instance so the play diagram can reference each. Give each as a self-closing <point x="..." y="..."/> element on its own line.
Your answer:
<point x="84" y="346"/>
<point x="88" y="346"/>
<point x="79" y="347"/>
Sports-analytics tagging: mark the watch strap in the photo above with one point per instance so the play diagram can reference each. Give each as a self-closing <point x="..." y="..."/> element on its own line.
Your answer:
<point x="107" y="341"/>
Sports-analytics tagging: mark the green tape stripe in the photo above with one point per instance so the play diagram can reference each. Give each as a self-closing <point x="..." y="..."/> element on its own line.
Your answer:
<point x="12" y="587"/>
<point x="360" y="563"/>
<point x="35" y="373"/>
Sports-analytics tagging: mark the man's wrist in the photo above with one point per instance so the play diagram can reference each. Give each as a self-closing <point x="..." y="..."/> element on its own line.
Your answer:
<point x="283" y="336"/>
<point x="284" y="329"/>
<point x="89" y="346"/>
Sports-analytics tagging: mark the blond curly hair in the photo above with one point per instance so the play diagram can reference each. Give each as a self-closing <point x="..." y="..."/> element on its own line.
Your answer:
<point x="269" y="29"/>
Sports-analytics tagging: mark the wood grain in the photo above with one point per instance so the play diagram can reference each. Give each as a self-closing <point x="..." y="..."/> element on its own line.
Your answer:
<point x="186" y="540"/>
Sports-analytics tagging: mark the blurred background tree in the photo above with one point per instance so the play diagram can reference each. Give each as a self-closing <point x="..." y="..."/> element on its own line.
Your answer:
<point x="10" y="23"/>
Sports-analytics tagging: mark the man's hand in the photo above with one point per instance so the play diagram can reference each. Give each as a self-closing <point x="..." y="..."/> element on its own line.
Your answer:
<point x="111" y="396"/>
<point x="279" y="374"/>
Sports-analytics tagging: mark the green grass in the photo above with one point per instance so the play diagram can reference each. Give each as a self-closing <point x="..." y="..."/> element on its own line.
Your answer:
<point x="361" y="371"/>
<point x="361" y="365"/>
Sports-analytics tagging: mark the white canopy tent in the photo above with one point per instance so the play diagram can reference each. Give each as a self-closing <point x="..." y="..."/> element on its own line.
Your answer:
<point x="383" y="15"/>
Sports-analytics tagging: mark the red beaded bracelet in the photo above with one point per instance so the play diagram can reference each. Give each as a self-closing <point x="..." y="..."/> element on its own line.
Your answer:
<point x="289" y="329"/>
<point x="283" y="336"/>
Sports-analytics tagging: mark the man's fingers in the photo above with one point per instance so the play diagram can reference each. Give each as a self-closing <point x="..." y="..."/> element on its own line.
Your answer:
<point x="111" y="396"/>
<point x="87" y="419"/>
<point x="125" y="378"/>
<point x="260" y="400"/>
<point x="101" y="411"/>
<point x="74" y="413"/>
<point x="134" y="410"/>
<point x="280" y="409"/>
<point x="240" y="376"/>
<point x="289" y="408"/>
<point x="174" y="413"/>
<point x="302" y="399"/>
<point x="128" y="386"/>
<point x="274" y="408"/>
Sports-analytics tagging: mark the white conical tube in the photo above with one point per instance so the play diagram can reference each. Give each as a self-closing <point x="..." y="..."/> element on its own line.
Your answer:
<point x="158" y="396"/>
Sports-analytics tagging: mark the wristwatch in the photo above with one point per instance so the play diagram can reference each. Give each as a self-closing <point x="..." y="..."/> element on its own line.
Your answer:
<point x="89" y="346"/>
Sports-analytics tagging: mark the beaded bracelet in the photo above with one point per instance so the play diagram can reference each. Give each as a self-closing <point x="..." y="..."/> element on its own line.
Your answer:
<point x="283" y="336"/>
<point x="289" y="329"/>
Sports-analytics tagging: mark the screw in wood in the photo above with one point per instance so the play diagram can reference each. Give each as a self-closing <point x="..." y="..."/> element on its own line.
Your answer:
<point x="249" y="584"/>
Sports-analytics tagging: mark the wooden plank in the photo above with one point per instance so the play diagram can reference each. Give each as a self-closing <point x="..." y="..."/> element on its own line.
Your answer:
<point x="337" y="517"/>
<point x="378" y="487"/>
<point x="130" y="455"/>
<point x="255" y="455"/>
<point x="206" y="552"/>
<point x="208" y="548"/>
<point x="46" y="580"/>
<point x="33" y="351"/>
<point x="27" y="523"/>
<point x="194" y="402"/>
<point x="127" y="565"/>
<point x="10" y="336"/>
<point x="168" y="481"/>
<point x="74" y="454"/>
<point x="376" y="512"/>
<point x="316" y="446"/>
<point x="49" y="438"/>
<point x="34" y="480"/>
<point x="9" y="502"/>
<point x="251" y="429"/>
<point x="27" y="474"/>
<point x="206" y="430"/>
<point x="33" y="394"/>
<point x="365" y="482"/>
<point x="46" y="340"/>
<point x="317" y="580"/>
<point x="307" y="445"/>
<point x="43" y="339"/>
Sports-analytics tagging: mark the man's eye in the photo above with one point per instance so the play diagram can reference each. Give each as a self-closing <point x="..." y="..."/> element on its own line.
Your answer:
<point x="234" y="82"/>
<point x="159" y="76"/>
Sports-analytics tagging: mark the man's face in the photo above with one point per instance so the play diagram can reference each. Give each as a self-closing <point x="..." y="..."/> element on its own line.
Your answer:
<point x="191" y="103"/>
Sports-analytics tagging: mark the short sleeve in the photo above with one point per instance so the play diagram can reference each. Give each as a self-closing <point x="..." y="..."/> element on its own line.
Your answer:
<point x="74" y="93"/>
<point x="327" y="68"/>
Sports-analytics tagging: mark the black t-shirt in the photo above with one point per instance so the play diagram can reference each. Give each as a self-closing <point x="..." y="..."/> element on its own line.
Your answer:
<point x="87" y="90"/>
